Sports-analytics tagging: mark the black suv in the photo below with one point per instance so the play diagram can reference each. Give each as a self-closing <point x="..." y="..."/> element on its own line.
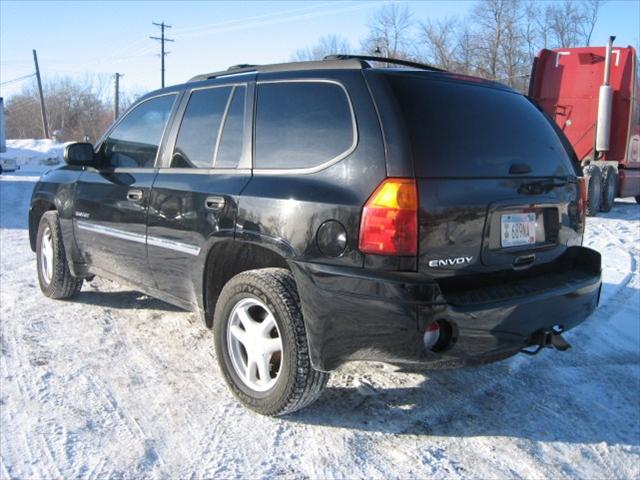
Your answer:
<point x="322" y="212"/>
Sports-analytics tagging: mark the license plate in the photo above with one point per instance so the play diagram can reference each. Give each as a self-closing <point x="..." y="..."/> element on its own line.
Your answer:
<point x="518" y="229"/>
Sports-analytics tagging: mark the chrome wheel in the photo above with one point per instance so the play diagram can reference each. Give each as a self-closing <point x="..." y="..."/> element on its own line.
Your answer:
<point x="46" y="254"/>
<point x="254" y="344"/>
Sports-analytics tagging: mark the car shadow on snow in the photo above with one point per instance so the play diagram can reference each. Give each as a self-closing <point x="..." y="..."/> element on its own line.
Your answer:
<point x="123" y="300"/>
<point x="538" y="403"/>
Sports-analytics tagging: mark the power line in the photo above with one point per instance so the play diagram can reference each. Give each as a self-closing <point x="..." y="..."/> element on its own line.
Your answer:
<point x="162" y="39"/>
<point x="18" y="79"/>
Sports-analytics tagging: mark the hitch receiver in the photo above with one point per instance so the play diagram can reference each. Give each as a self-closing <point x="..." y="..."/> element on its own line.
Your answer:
<point x="547" y="339"/>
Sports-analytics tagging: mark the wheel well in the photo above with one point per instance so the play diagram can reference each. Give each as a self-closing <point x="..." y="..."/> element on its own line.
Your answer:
<point x="228" y="259"/>
<point x="38" y="208"/>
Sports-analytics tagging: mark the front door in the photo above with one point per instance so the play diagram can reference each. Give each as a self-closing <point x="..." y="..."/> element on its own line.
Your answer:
<point x="111" y="203"/>
<point x="195" y="197"/>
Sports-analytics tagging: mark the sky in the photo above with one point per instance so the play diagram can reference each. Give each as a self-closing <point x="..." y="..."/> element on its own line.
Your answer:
<point x="93" y="38"/>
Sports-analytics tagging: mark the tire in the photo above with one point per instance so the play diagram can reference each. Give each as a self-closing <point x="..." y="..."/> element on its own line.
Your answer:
<point x="637" y="199"/>
<point x="291" y="382"/>
<point x="54" y="276"/>
<point x="594" y="189"/>
<point x="609" y="188"/>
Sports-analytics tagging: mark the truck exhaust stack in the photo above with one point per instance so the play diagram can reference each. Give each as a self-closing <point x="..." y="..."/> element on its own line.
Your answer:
<point x="605" y="104"/>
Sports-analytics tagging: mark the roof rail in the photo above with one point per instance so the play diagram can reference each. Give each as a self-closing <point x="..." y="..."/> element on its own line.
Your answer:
<point x="395" y="61"/>
<point x="283" y="67"/>
<point x="241" y="66"/>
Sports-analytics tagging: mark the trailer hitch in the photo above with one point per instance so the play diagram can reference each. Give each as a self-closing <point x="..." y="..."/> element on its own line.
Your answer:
<point x="546" y="339"/>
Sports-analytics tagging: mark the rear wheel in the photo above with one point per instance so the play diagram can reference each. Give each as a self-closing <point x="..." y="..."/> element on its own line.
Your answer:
<point x="261" y="343"/>
<point x="609" y="188"/>
<point x="594" y="189"/>
<point x="54" y="276"/>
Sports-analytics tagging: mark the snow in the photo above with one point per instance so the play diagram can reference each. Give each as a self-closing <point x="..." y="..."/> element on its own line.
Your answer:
<point x="117" y="384"/>
<point x="33" y="155"/>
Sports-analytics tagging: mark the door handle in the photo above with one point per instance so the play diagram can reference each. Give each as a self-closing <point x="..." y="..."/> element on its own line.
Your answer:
<point x="215" y="202"/>
<point x="134" y="195"/>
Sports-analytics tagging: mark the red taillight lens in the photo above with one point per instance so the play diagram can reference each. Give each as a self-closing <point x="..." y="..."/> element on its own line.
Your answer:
<point x="582" y="201"/>
<point x="389" y="223"/>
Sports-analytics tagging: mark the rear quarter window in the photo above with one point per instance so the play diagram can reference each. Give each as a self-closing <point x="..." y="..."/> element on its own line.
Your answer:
<point x="464" y="130"/>
<point x="301" y="125"/>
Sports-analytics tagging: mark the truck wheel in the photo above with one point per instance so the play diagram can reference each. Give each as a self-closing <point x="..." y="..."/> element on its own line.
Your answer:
<point x="54" y="276"/>
<point x="261" y="343"/>
<point x="594" y="189"/>
<point x="638" y="199"/>
<point x="609" y="188"/>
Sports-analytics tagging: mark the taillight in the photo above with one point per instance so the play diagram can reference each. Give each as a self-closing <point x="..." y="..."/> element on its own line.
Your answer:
<point x="389" y="223"/>
<point x="582" y="201"/>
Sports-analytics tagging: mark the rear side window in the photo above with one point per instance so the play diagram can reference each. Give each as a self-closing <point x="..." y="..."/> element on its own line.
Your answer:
<point x="462" y="130"/>
<point x="134" y="142"/>
<point x="199" y="129"/>
<point x="301" y="124"/>
<point x="230" y="146"/>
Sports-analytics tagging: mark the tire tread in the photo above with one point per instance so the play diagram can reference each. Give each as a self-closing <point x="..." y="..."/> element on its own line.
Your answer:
<point x="308" y="383"/>
<point x="63" y="284"/>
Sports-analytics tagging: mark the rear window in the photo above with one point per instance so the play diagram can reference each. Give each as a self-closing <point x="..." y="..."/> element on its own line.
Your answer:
<point x="462" y="130"/>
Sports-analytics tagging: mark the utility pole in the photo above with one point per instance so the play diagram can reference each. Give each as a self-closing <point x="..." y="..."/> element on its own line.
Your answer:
<point x="116" y="107"/>
<point x="45" y="126"/>
<point x="162" y="39"/>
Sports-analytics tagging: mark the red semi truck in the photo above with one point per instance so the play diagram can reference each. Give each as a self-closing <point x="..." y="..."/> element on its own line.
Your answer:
<point x="592" y="93"/>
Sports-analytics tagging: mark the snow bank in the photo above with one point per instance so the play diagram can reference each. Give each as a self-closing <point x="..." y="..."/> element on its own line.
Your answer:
<point x="33" y="154"/>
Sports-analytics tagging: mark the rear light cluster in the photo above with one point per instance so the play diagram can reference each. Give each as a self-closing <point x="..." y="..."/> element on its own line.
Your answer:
<point x="389" y="223"/>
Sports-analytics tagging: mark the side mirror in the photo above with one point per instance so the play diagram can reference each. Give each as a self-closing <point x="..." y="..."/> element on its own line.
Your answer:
<point x="79" y="153"/>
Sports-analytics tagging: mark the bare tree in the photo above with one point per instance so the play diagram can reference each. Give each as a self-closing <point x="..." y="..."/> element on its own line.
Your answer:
<point x="440" y="39"/>
<point x="466" y="48"/>
<point x="591" y="9"/>
<point x="75" y="109"/>
<point x="489" y="18"/>
<point x="327" y="45"/>
<point x="390" y="32"/>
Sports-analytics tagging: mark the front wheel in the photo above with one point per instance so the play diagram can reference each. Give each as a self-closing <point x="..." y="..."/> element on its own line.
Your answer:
<point x="261" y="343"/>
<point x="54" y="276"/>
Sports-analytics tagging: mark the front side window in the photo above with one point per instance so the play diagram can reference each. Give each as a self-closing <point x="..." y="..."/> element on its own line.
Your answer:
<point x="199" y="129"/>
<point x="134" y="142"/>
<point x="301" y="124"/>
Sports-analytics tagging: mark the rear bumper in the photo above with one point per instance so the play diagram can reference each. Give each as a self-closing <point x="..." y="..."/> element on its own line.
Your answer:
<point x="356" y="314"/>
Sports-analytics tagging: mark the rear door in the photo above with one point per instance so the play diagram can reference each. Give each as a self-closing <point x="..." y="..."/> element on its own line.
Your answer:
<point x="195" y="195"/>
<point x="111" y="203"/>
<point x="496" y="185"/>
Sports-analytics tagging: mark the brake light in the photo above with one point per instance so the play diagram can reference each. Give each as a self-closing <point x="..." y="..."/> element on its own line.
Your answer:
<point x="389" y="223"/>
<point x="582" y="201"/>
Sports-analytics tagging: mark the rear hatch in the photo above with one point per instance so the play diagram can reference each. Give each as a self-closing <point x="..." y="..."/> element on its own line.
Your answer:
<point x="497" y="187"/>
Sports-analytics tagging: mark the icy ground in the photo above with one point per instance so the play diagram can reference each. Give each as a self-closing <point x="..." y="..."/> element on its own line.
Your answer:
<point x="116" y="384"/>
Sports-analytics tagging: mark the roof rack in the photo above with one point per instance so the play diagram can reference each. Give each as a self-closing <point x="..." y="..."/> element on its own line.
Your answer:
<point x="283" y="67"/>
<point x="395" y="61"/>
<point x="331" y="61"/>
